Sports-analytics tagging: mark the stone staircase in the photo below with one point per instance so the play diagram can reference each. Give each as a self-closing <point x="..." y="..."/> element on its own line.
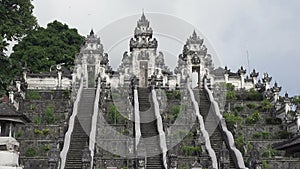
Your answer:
<point x="211" y="124"/>
<point x="81" y="131"/>
<point x="149" y="132"/>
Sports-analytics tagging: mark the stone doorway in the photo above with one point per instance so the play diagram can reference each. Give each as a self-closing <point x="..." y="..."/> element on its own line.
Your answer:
<point x="143" y="79"/>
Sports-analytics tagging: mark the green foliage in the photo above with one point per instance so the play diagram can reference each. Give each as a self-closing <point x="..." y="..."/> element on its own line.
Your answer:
<point x="114" y="116"/>
<point x="262" y="135"/>
<point x="265" y="165"/>
<point x="19" y="133"/>
<point x="265" y="105"/>
<point x="231" y="95"/>
<point x="50" y="117"/>
<point x="239" y="142"/>
<point x="231" y="119"/>
<point x="33" y="95"/>
<point x="15" y="23"/>
<point x="239" y="108"/>
<point x="273" y="121"/>
<point x="66" y="94"/>
<point x="296" y="100"/>
<point x="253" y="118"/>
<point x="37" y="120"/>
<point x="30" y="152"/>
<point x="45" y="47"/>
<point x="254" y="95"/>
<point x="269" y="152"/>
<point x="174" y="94"/>
<point x="180" y="134"/>
<point x="37" y="131"/>
<point x="251" y="105"/>
<point x="191" y="150"/>
<point x="46" y="148"/>
<point x="46" y="131"/>
<point x="230" y="87"/>
<point x="31" y="107"/>
<point x="173" y="113"/>
<point x="282" y="135"/>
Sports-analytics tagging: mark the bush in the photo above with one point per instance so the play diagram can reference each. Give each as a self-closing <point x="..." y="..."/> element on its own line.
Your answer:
<point x="254" y="95"/>
<point x="231" y="95"/>
<point x="262" y="135"/>
<point x="282" y="135"/>
<point x="251" y="105"/>
<point x="269" y="152"/>
<point x="37" y="131"/>
<point x="265" y="105"/>
<point x="33" y="95"/>
<point x="239" y="142"/>
<point x="46" y="131"/>
<point x="50" y="117"/>
<point x="114" y="115"/>
<point x="230" y="87"/>
<point x="37" y="120"/>
<point x="253" y="118"/>
<point x="46" y="148"/>
<point x="273" y="121"/>
<point x="30" y="152"/>
<point x="175" y="94"/>
<point x="239" y="108"/>
<point x="231" y="119"/>
<point x="191" y="150"/>
<point x="19" y="133"/>
<point x="265" y="165"/>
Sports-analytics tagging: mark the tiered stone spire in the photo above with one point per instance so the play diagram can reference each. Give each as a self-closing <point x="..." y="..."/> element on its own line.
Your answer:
<point x="143" y="35"/>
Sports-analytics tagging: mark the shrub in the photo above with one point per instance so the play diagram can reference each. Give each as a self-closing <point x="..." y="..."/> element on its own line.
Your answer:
<point x="251" y="105"/>
<point x="254" y="95"/>
<point x="33" y="95"/>
<point x="30" y="152"/>
<point x="230" y="87"/>
<point x="239" y="108"/>
<point x="262" y="135"/>
<point x="273" y="121"/>
<point x="231" y="95"/>
<point x="231" y="119"/>
<point x="253" y="118"/>
<point x="46" y="131"/>
<point x="175" y="110"/>
<point x="239" y="142"/>
<point x="19" y="133"/>
<point x="282" y="135"/>
<point x="191" y="150"/>
<point x="175" y="94"/>
<point x="265" y="165"/>
<point x="269" y="152"/>
<point x="265" y="105"/>
<point x="46" y="148"/>
<point x="37" y="131"/>
<point x="50" y="117"/>
<point x="37" y="120"/>
<point x="66" y="94"/>
<point x="114" y="115"/>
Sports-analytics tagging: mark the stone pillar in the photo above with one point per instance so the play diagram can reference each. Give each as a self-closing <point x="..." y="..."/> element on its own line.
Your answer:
<point x="59" y="78"/>
<point x="242" y="72"/>
<point x="141" y="164"/>
<point x="11" y="96"/>
<point x="267" y="79"/>
<point x="18" y="85"/>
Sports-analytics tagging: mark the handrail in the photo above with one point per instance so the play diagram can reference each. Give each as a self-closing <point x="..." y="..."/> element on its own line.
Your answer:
<point x="230" y="141"/>
<point x="205" y="134"/>
<point x="137" y="120"/>
<point x="162" y="136"/>
<point x="92" y="138"/>
<point x="67" y="140"/>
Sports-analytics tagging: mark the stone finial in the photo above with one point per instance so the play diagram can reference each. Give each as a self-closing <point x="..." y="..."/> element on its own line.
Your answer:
<point x="92" y="32"/>
<point x="242" y="71"/>
<point x="194" y="39"/>
<point x="254" y="73"/>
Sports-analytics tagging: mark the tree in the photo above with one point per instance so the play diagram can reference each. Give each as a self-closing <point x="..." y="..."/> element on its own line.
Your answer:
<point x="16" y="21"/>
<point x="45" y="47"/>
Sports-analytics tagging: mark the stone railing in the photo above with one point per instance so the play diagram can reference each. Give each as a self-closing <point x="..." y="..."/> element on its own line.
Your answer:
<point x="238" y="158"/>
<point x="137" y="120"/>
<point x="92" y="138"/>
<point x="205" y="134"/>
<point x="162" y="136"/>
<point x="64" y="152"/>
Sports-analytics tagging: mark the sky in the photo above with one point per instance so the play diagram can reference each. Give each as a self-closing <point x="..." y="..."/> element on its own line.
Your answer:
<point x="269" y="31"/>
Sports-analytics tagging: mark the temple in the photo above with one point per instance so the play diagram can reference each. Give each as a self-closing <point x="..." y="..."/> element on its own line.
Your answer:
<point x="145" y="116"/>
